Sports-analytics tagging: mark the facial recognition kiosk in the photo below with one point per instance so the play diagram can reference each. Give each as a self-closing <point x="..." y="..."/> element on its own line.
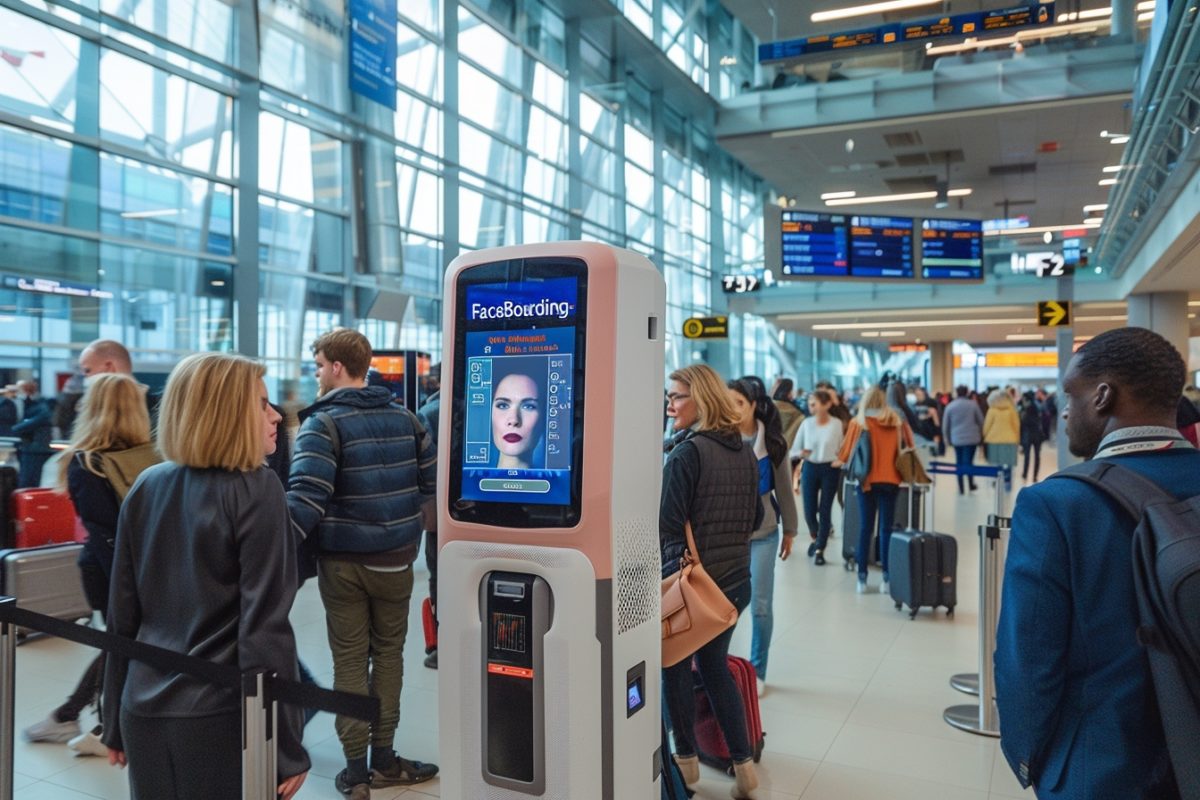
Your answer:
<point x="550" y="466"/>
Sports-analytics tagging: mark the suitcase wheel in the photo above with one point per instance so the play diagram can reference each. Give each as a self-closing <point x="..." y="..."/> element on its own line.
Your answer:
<point x="899" y="606"/>
<point x="913" y="614"/>
<point x="950" y="612"/>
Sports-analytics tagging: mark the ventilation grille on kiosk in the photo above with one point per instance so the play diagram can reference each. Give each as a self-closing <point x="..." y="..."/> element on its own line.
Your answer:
<point x="639" y="573"/>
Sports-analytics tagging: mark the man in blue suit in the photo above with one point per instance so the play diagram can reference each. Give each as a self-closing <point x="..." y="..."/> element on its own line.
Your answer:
<point x="1078" y="715"/>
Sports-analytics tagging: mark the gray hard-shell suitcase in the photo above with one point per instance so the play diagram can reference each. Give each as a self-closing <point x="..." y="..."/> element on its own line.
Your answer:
<point x="923" y="569"/>
<point x="45" y="580"/>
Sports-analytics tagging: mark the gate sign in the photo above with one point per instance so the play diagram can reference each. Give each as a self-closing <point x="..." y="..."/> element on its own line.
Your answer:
<point x="706" y="328"/>
<point x="373" y="50"/>
<point x="1054" y="314"/>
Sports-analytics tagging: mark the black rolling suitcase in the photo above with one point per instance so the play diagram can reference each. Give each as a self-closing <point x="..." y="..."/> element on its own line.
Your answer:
<point x="45" y="580"/>
<point x="923" y="569"/>
<point x="910" y="513"/>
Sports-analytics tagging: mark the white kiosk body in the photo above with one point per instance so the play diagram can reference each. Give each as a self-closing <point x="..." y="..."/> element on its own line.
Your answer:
<point x="550" y="466"/>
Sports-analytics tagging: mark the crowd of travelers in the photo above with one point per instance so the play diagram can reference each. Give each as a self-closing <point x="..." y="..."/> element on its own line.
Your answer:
<point x="185" y="516"/>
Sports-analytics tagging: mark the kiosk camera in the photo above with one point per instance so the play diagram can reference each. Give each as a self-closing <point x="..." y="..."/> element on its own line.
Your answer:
<point x="550" y="465"/>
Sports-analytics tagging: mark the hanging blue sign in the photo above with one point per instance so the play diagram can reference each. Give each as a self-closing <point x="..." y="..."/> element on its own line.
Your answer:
<point x="373" y="50"/>
<point x="969" y="24"/>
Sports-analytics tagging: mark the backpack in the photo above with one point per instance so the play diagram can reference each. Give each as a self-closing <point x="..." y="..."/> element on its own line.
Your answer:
<point x="859" y="465"/>
<point x="1166" y="574"/>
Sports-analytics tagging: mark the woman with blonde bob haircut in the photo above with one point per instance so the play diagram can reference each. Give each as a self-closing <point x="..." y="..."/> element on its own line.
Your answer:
<point x="710" y="481"/>
<point x="888" y="432"/>
<point x="110" y="446"/>
<point x="205" y="565"/>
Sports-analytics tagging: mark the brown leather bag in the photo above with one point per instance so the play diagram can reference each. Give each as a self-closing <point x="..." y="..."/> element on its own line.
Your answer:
<point x="694" y="609"/>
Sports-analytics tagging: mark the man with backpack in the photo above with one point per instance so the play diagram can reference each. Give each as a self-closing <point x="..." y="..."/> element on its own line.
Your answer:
<point x="362" y="468"/>
<point x="1087" y="681"/>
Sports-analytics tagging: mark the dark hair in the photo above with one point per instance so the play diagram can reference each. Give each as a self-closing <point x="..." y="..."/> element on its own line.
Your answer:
<point x="783" y="388"/>
<point x="752" y="388"/>
<point x="962" y="390"/>
<point x="823" y="397"/>
<point x="1138" y="359"/>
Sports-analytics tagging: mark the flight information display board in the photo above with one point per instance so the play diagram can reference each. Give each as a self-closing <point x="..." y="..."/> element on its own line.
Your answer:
<point x="815" y="244"/>
<point x="881" y="247"/>
<point x="952" y="249"/>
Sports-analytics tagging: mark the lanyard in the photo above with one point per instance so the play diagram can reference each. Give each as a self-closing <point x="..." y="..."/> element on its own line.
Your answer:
<point x="1152" y="443"/>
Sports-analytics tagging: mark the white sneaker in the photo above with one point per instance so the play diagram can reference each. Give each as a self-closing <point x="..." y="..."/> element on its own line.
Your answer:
<point x="862" y="587"/>
<point x="88" y="744"/>
<point x="51" y="730"/>
<point x="885" y="588"/>
<point x="761" y="686"/>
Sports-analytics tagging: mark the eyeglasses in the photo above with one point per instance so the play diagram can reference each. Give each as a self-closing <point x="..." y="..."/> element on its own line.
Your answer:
<point x="676" y="397"/>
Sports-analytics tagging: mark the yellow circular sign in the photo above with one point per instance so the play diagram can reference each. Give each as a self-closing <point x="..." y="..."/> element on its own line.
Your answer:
<point x="692" y="328"/>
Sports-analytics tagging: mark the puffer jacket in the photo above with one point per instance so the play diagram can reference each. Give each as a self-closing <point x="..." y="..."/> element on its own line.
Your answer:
<point x="361" y="494"/>
<point x="711" y="479"/>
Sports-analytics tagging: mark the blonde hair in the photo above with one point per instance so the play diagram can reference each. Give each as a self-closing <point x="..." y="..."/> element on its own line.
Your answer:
<point x="210" y="415"/>
<point x="713" y="404"/>
<point x="112" y="416"/>
<point x="876" y="400"/>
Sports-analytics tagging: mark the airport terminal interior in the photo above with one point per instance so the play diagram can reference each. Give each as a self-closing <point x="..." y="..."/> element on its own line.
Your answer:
<point x="944" y="192"/>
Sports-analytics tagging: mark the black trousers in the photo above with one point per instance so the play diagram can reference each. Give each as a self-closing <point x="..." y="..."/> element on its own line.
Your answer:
<point x="184" y="758"/>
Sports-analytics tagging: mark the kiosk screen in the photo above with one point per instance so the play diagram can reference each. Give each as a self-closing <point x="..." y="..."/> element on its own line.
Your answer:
<point x="518" y="362"/>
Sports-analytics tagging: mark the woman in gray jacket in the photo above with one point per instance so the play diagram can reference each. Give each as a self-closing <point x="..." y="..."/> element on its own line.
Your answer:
<point x="205" y="565"/>
<point x="761" y="429"/>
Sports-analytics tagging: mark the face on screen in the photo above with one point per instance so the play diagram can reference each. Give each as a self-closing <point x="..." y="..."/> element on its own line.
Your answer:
<point x="516" y="420"/>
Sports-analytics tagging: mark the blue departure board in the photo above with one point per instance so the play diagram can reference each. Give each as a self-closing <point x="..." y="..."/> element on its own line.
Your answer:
<point x="815" y="244"/>
<point x="881" y="247"/>
<point x="952" y="249"/>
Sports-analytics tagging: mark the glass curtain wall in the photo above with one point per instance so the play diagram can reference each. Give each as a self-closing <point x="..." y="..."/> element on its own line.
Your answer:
<point x="170" y="183"/>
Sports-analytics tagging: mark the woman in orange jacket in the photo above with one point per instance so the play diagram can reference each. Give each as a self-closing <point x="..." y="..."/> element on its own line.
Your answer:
<point x="877" y="495"/>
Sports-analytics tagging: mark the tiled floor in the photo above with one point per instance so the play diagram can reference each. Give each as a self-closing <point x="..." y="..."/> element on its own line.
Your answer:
<point x="853" y="711"/>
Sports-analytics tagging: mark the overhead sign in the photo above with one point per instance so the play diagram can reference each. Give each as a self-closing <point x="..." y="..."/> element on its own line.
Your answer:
<point x="741" y="284"/>
<point x="1054" y="314"/>
<point x="48" y="286"/>
<point x="1051" y="265"/>
<point x="706" y="328"/>
<point x="974" y="23"/>
<point x="373" y="50"/>
<point x="907" y="348"/>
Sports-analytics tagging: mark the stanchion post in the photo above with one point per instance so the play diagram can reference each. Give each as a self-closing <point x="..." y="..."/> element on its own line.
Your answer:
<point x="981" y="718"/>
<point x="258" y="783"/>
<point x="8" y="685"/>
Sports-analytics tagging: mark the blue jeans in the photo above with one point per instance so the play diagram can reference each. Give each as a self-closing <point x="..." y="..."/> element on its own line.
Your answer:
<point x="762" y="590"/>
<point x="679" y="690"/>
<point x="881" y="499"/>
<point x="818" y="486"/>
<point x="964" y="456"/>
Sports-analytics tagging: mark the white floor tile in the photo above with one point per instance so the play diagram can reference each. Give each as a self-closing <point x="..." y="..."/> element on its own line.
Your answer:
<point x="839" y="782"/>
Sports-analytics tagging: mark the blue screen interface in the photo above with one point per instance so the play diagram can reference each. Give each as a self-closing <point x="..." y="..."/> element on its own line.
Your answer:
<point x="520" y="384"/>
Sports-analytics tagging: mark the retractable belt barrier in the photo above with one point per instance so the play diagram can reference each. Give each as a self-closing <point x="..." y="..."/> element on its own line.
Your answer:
<point x="260" y="692"/>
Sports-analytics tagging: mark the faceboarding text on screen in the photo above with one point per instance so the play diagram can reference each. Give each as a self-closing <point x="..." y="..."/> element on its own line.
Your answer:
<point x="517" y="438"/>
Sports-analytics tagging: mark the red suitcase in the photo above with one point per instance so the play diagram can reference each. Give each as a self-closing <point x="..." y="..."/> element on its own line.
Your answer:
<point x="430" y="625"/>
<point x="42" y="517"/>
<point x="710" y="742"/>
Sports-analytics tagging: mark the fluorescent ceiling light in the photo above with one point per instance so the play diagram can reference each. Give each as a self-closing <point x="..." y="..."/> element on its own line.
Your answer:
<point x="158" y="212"/>
<point x="1146" y="5"/>
<point x="1145" y="17"/>
<point x="1119" y="140"/>
<point x="837" y="195"/>
<point x="894" y="198"/>
<point x="1043" y="229"/>
<point x="870" y="8"/>
<point x="1007" y="41"/>
<point x="1025" y="337"/>
<point x="1095" y="207"/>
<point x="1107" y="182"/>
<point x="1094" y="13"/>
<point x="891" y="333"/>
<point x="870" y="334"/>
<point x="940" y="323"/>
<point x="1115" y="168"/>
<point x="1094" y="221"/>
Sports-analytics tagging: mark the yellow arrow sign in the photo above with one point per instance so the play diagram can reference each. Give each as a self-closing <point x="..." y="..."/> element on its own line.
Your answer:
<point x="1054" y="314"/>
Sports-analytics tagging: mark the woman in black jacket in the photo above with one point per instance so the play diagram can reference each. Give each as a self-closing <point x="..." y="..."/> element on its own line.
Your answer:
<point x="1032" y="434"/>
<point x="205" y="565"/>
<point x="710" y="479"/>
<point x="110" y="446"/>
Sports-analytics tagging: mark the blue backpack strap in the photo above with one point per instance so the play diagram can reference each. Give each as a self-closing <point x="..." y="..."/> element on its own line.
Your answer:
<point x="1127" y="488"/>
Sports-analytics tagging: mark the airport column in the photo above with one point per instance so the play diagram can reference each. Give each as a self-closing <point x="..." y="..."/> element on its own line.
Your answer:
<point x="1123" y="19"/>
<point x="245" y="122"/>
<point x="1165" y="313"/>
<point x="1064" y="339"/>
<point x="941" y="367"/>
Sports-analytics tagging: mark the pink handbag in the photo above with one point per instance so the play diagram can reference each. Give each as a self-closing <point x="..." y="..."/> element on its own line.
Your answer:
<point x="694" y="609"/>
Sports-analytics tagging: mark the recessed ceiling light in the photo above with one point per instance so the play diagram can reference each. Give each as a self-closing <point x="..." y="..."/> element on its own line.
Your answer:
<point x="870" y="8"/>
<point x="1107" y="182"/>
<point x="891" y="333"/>
<point x="1119" y="140"/>
<point x="1095" y="207"/>
<point x="837" y="195"/>
<point x="1116" y="168"/>
<point x="870" y="334"/>
<point x="1025" y="337"/>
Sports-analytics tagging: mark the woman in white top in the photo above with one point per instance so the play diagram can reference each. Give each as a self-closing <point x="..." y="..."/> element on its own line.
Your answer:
<point x="818" y="441"/>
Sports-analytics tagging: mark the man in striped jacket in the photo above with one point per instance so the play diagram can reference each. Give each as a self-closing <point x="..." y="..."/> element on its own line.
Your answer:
<point x="362" y="467"/>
